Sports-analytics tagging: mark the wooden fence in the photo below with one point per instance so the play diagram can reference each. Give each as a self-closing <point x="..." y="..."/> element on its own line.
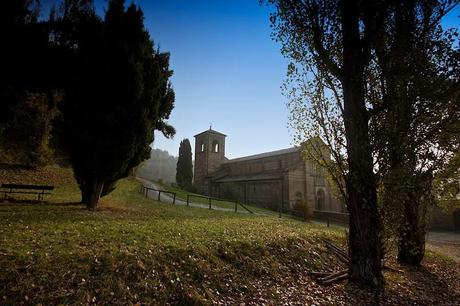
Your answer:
<point x="145" y="191"/>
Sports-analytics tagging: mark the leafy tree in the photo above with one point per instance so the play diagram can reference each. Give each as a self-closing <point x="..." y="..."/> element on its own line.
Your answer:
<point x="411" y="96"/>
<point x="418" y="104"/>
<point x="447" y="185"/>
<point x="117" y="92"/>
<point x="184" y="169"/>
<point x="332" y="40"/>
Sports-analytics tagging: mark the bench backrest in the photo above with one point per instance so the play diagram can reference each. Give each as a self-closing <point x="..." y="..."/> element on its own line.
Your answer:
<point x="33" y="187"/>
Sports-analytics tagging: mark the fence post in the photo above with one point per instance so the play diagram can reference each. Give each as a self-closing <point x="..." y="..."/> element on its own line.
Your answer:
<point x="209" y="202"/>
<point x="174" y="199"/>
<point x="327" y="221"/>
<point x="281" y="208"/>
<point x="188" y="196"/>
<point x="159" y="193"/>
<point x="236" y="206"/>
<point x="146" y="192"/>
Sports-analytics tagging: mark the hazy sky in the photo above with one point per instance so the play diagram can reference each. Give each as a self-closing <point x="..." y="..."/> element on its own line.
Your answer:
<point x="227" y="71"/>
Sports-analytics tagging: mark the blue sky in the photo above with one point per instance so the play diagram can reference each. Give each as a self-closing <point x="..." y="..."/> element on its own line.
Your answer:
<point x="227" y="71"/>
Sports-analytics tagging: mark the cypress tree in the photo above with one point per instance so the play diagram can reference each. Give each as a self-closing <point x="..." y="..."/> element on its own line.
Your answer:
<point x="184" y="170"/>
<point x="117" y="92"/>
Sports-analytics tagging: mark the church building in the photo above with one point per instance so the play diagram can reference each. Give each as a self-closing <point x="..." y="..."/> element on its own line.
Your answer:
<point x="272" y="180"/>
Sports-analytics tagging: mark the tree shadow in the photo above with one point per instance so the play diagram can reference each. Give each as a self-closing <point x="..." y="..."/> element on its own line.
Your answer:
<point x="22" y="203"/>
<point x="415" y="286"/>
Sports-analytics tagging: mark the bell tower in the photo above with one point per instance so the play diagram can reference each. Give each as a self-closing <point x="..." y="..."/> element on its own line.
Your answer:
<point x="209" y="155"/>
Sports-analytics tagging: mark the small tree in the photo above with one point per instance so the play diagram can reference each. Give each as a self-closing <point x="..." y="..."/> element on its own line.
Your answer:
<point x="184" y="169"/>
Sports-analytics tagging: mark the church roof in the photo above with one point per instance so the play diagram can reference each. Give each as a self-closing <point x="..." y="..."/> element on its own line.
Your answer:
<point x="264" y="155"/>
<point x="212" y="132"/>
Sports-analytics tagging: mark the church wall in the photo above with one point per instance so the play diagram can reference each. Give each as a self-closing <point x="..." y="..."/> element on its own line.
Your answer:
<point x="265" y="181"/>
<point x="266" y="194"/>
<point x="297" y="190"/>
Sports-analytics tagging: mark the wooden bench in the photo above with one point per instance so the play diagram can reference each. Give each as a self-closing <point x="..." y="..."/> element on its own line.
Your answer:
<point x="39" y="190"/>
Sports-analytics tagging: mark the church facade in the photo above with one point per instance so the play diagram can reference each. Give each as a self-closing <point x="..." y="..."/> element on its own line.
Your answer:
<point x="274" y="180"/>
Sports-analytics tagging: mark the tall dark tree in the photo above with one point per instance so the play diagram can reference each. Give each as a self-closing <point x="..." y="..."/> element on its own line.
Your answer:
<point x="117" y="93"/>
<point x="420" y="89"/>
<point x="184" y="169"/>
<point x="333" y="40"/>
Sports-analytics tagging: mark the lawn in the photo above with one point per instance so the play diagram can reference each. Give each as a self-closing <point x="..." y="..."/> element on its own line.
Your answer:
<point x="135" y="250"/>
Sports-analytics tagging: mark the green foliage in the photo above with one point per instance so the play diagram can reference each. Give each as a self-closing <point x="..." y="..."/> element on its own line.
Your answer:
<point x="447" y="185"/>
<point x="184" y="170"/>
<point x="28" y="134"/>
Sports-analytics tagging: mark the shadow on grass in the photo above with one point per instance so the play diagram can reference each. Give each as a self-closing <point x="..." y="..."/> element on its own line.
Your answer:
<point x="415" y="286"/>
<point x="23" y="203"/>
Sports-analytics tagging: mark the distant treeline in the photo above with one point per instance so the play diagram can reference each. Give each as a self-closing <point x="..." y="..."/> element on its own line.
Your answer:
<point x="160" y="166"/>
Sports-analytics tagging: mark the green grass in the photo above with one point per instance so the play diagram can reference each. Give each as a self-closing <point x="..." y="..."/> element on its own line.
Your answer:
<point x="59" y="252"/>
<point x="135" y="250"/>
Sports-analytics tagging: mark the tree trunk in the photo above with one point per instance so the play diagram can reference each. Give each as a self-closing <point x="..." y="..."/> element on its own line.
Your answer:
<point x="364" y="239"/>
<point x="94" y="195"/>
<point x="85" y="192"/>
<point x="412" y="231"/>
<point x="411" y="243"/>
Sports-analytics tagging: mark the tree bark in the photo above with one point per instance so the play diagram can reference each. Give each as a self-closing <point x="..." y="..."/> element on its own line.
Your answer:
<point x="365" y="249"/>
<point x="411" y="243"/>
<point x="94" y="195"/>
<point x="412" y="231"/>
<point x="85" y="193"/>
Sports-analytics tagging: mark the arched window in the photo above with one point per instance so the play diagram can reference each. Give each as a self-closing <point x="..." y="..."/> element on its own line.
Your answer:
<point x="320" y="199"/>
<point x="202" y="147"/>
<point x="215" y="146"/>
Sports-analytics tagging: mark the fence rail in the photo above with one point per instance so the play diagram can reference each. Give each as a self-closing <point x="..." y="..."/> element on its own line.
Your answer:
<point x="145" y="191"/>
<point x="210" y="199"/>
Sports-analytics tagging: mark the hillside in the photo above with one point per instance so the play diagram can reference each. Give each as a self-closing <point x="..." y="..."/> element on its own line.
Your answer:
<point x="135" y="250"/>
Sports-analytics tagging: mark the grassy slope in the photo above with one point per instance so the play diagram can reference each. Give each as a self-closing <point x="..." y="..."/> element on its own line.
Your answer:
<point x="137" y="250"/>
